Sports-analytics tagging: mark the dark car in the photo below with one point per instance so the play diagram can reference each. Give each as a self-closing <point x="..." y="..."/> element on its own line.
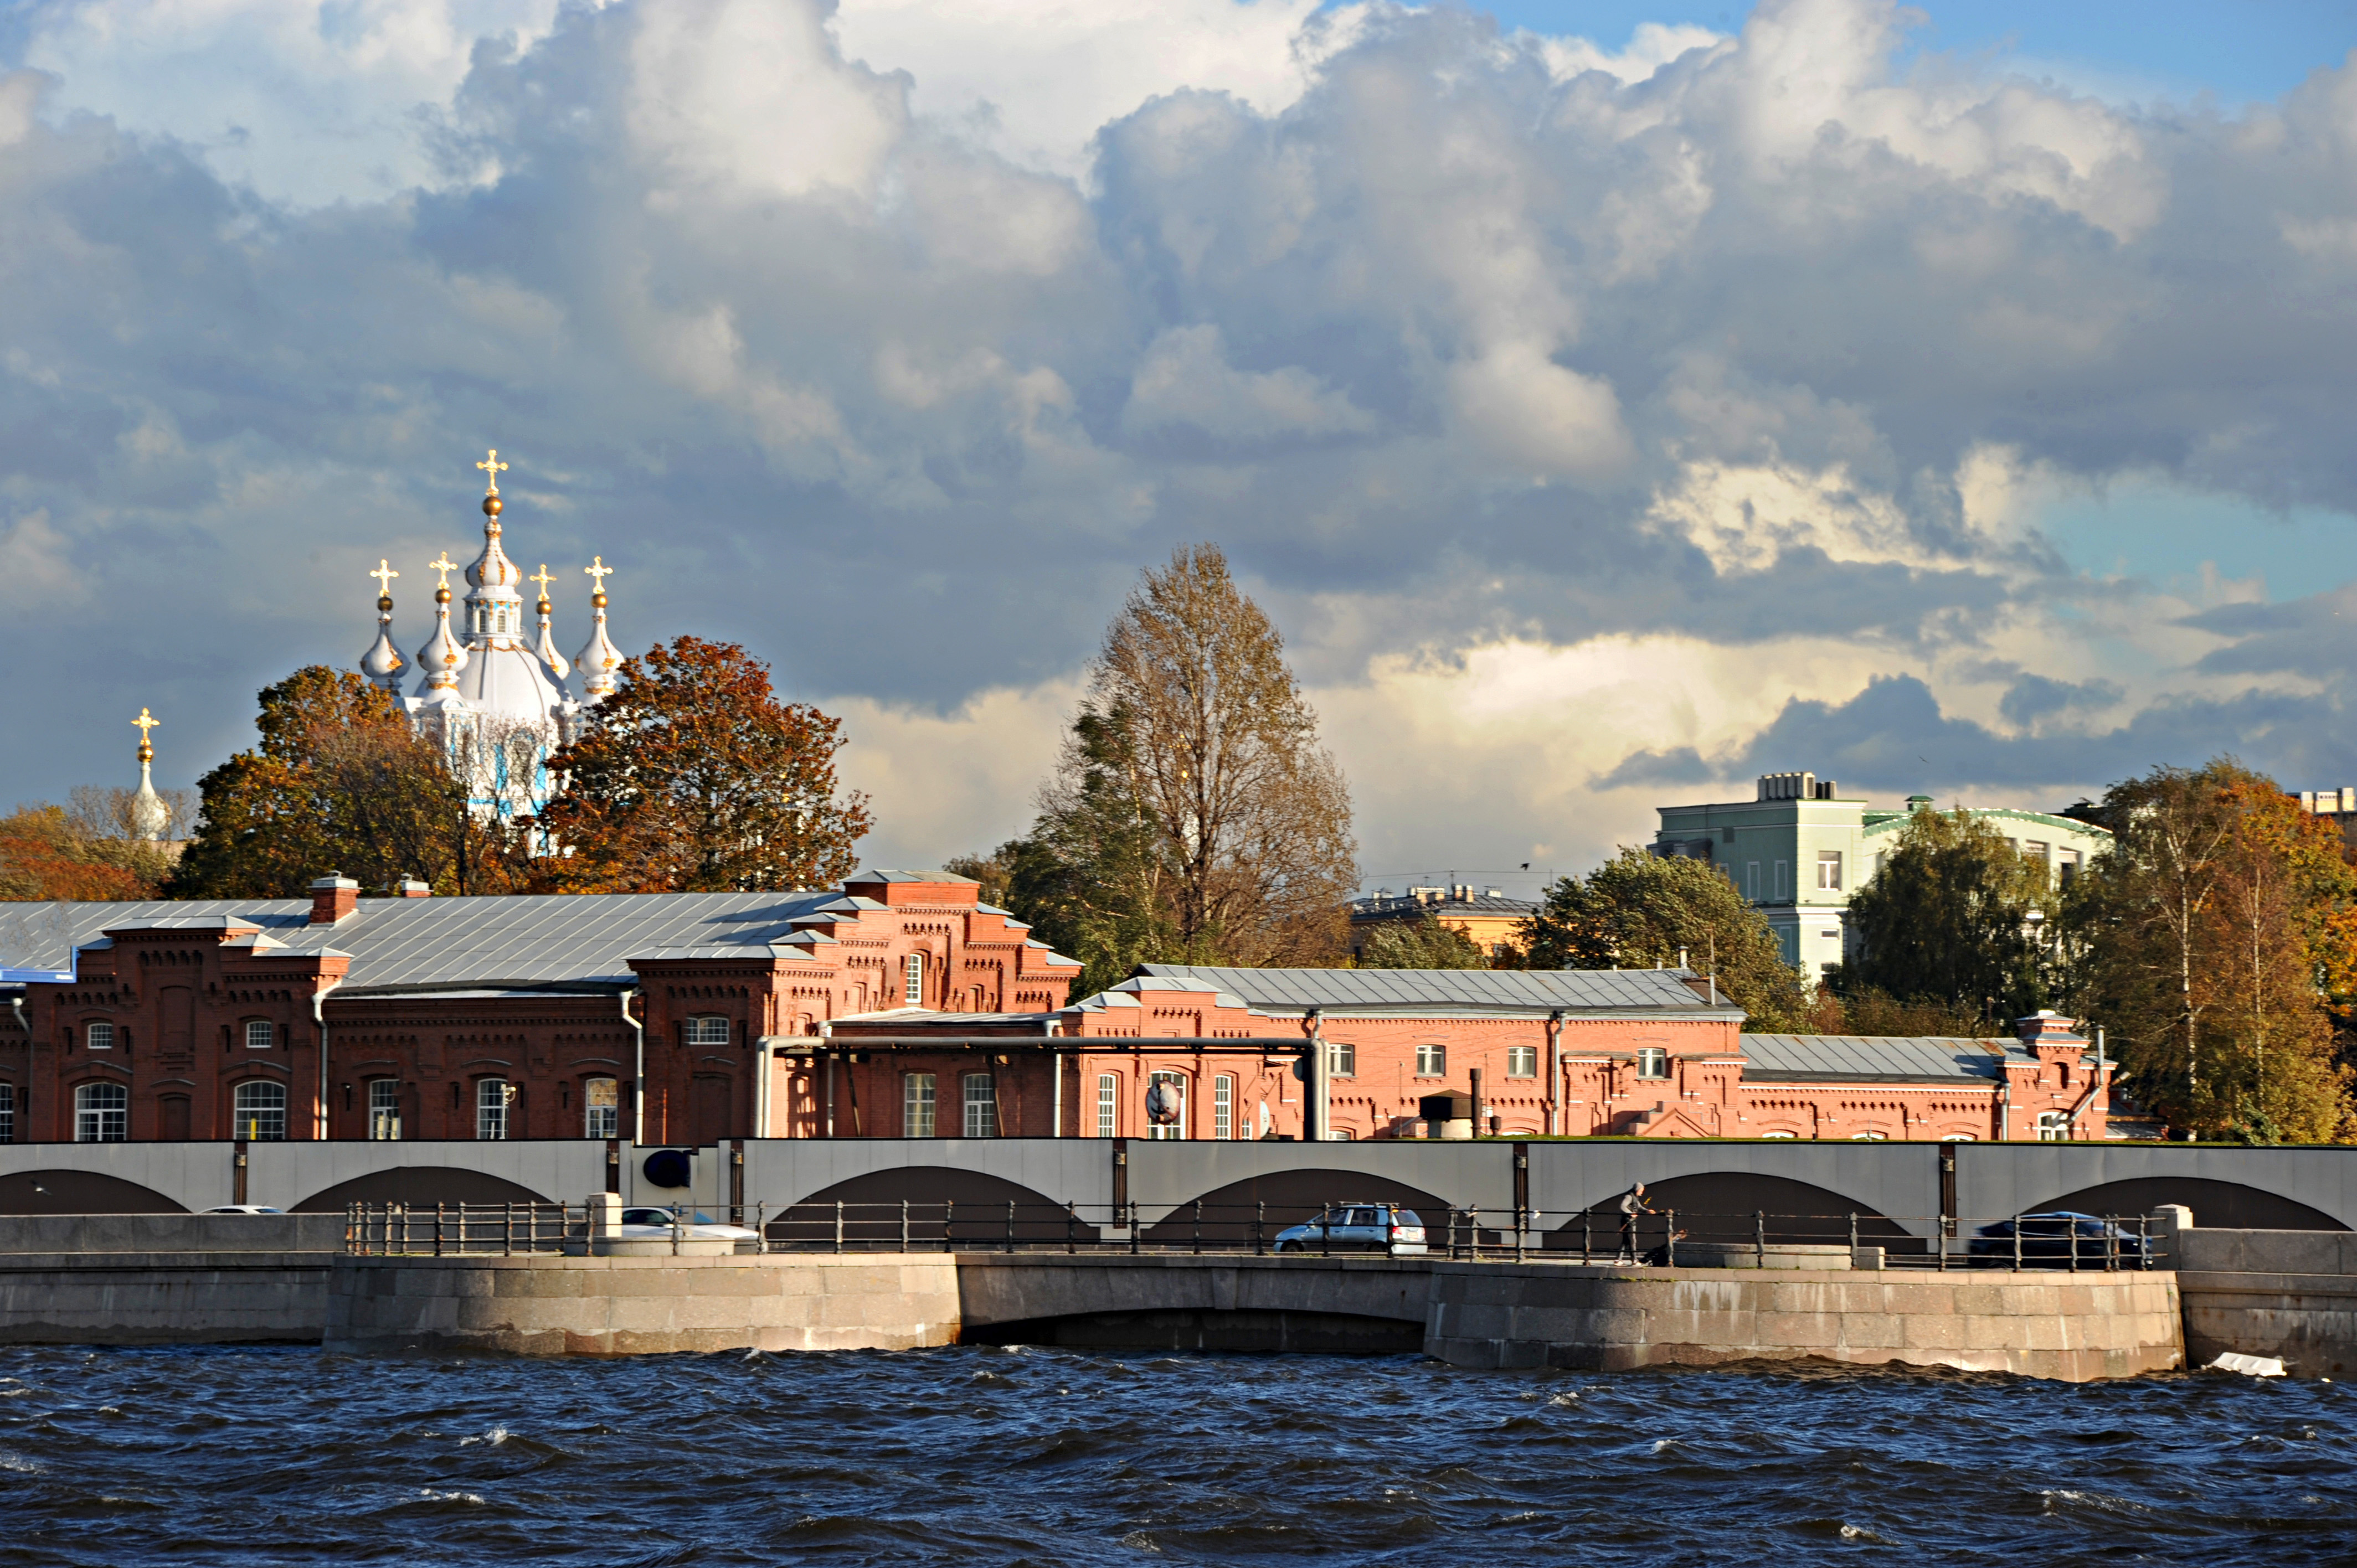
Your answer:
<point x="2049" y="1241"/>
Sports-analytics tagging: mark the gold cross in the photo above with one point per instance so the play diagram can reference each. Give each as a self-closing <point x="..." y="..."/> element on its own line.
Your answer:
<point x="446" y="566"/>
<point x="384" y="575"/>
<point x="493" y="468"/>
<point x="145" y="723"/>
<point x="542" y="578"/>
<point x="599" y="571"/>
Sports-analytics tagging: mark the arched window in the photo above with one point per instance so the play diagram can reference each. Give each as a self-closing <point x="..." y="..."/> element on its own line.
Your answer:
<point x="384" y="1110"/>
<point x="601" y="1108"/>
<point x="912" y="990"/>
<point x="1108" y="1105"/>
<point x="491" y="1097"/>
<point x="2053" y="1126"/>
<point x="259" y="1113"/>
<point x="1223" y="1107"/>
<point x="917" y="1105"/>
<point x="99" y="1036"/>
<point x="1173" y="1085"/>
<point x="980" y="1105"/>
<point x="102" y="1114"/>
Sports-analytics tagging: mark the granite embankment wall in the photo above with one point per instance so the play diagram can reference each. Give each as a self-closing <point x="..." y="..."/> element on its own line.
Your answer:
<point x="166" y="1279"/>
<point x="2287" y="1294"/>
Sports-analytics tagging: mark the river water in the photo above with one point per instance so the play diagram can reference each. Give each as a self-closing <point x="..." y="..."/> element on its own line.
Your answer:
<point x="976" y="1456"/>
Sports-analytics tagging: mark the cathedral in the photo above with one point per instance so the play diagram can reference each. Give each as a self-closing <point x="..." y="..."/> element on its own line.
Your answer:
<point x="500" y="705"/>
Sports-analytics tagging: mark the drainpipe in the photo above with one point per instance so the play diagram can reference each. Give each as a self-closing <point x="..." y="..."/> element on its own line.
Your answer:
<point x="639" y="1073"/>
<point x="1318" y="1083"/>
<point x="319" y="1016"/>
<point x="2004" y="1104"/>
<point x="826" y="1032"/>
<point x="16" y="1006"/>
<point x="2087" y="1101"/>
<point x="1056" y="1097"/>
<point x="1555" y="1071"/>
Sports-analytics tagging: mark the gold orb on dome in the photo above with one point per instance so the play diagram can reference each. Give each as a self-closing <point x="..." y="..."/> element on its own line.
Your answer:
<point x="491" y="506"/>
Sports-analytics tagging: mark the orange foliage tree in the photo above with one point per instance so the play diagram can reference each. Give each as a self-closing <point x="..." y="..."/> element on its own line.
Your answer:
<point x="692" y="778"/>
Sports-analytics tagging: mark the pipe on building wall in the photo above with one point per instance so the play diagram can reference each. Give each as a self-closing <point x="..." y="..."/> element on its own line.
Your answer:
<point x="826" y="1032"/>
<point x="1555" y="1071"/>
<point x="319" y="1016"/>
<point x="1318" y="1082"/>
<point x="638" y="1072"/>
<point x="1056" y="1096"/>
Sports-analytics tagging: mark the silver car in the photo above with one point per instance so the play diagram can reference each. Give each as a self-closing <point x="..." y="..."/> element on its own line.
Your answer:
<point x="1357" y="1228"/>
<point x="662" y="1224"/>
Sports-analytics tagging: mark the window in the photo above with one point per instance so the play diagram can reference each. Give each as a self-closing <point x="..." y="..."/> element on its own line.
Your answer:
<point x="1829" y="871"/>
<point x="1341" y="1059"/>
<point x="917" y="1105"/>
<point x="1174" y="1099"/>
<point x="1521" y="1061"/>
<point x="2067" y="866"/>
<point x="1869" y="1137"/>
<point x="259" y="1113"/>
<point x="1223" y="1107"/>
<point x="1108" y="1105"/>
<point x="100" y="1036"/>
<point x="1960" y="1138"/>
<point x="7" y="1112"/>
<point x="708" y="1030"/>
<point x="1431" y="1059"/>
<point x="102" y="1114"/>
<point x="492" y="1097"/>
<point x="980" y="1105"/>
<point x="2033" y="850"/>
<point x="1652" y="1061"/>
<point x="2053" y="1126"/>
<point x="384" y="1110"/>
<point x="260" y="1036"/>
<point x="1780" y="1134"/>
<point x="912" y="988"/>
<point x="1783" y="880"/>
<point x="601" y="1108"/>
<point x="1751" y="880"/>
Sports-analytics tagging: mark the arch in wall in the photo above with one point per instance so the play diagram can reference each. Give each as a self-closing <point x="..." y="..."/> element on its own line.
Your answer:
<point x="1734" y="1206"/>
<point x="944" y="1203"/>
<point x="419" y="1187"/>
<point x="1293" y="1197"/>
<point x="80" y="1192"/>
<point x="2216" y="1205"/>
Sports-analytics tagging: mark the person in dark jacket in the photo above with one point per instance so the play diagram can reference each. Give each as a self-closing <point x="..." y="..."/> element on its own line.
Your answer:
<point x="1633" y="1204"/>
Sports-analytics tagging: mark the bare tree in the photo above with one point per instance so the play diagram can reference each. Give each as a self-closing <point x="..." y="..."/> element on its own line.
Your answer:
<point x="1248" y="817"/>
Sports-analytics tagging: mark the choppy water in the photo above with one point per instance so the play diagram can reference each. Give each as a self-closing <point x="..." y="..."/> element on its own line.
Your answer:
<point x="1043" y="1456"/>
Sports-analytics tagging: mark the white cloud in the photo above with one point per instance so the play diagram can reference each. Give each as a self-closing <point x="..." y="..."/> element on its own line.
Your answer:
<point x="1185" y="382"/>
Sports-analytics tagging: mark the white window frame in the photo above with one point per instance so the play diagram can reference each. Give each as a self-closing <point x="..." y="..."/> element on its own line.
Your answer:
<point x="601" y="1121"/>
<point x="1173" y="1082"/>
<point x="912" y="980"/>
<point x="253" y="1115"/>
<point x="1653" y="1063"/>
<point x="1521" y="1061"/>
<point x="98" y="1036"/>
<point x="1108" y="1105"/>
<point x="102" y="1114"/>
<point x="707" y="1029"/>
<point x="1829" y="871"/>
<point x="1342" y="1059"/>
<point x="493" y="1098"/>
<point x="384" y="1110"/>
<point x="261" y="1035"/>
<point x="919" y="1105"/>
<point x="1780" y="1134"/>
<point x="1431" y="1059"/>
<point x="978" y="1096"/>
<point x="2054" y="1126"/>
<point x="1783" y="882"/>
<point x="1223" y="1107"/>
<point x="7" y="1112"/>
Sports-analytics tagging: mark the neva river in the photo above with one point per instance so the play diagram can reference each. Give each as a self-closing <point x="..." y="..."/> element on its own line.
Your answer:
<point x="1043" y="1456"/>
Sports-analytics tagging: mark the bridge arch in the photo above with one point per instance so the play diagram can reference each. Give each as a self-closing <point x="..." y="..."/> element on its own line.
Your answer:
<point x="2216" y="1205"/>
<point x="420" y="1187"/>
<point x="944" y="1203"/>
<point x="80" y="1192"/>
<point x="1734" y="1206"/>
<point x="1291" y="1196"/>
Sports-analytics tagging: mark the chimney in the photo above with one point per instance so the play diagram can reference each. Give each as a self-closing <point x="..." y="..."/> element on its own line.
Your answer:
<point x="333" y="896"/>
<point x="410" y="888"/>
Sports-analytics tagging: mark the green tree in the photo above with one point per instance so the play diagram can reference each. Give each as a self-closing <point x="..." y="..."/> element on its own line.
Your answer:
<point x="341" y="782"/>
<point x="1954" y="918"/>
<point x="2209" y="942"/>
<point x="1640" y="911"/>
<point x="1419" y="944"/>
<point x="692" y="778"/>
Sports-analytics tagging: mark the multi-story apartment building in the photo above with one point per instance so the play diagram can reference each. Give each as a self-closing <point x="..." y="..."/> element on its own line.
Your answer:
<point x="1799" y="849"/>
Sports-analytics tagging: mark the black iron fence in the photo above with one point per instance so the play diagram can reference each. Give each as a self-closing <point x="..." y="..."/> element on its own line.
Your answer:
<point x="1667" y="1238"/>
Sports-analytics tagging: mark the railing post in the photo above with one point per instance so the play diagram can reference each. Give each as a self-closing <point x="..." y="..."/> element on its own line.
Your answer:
<point x="1260" y="1225"/>
<point x="1759" y="1237"/>
<point x="2016" y="1243"/>
<point x="1072" y="1228"/>
<point x="904" y="1225"/>
<point x="1199" y="1228"/>
<point x="949" y="1224"/>
<point x="1586" y="1220"/>
<point x="1133" y="1227"/>
<point x="838" y="1225"/>
<point x="507" y="1217"/>
<point x="1473" y="1226"/>
<point x="1853" y="1237"/>
<point x="1010" y="1225"/>
<point x="437" y="1229"/>
<point x="1670" y="1238"/>
<point x="1326" y="1232"/>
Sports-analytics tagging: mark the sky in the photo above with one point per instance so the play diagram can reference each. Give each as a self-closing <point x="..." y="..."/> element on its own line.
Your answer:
<point x="1608" y="402"/>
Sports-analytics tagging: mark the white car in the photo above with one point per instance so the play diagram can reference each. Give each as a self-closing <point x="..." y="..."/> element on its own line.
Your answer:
<point x="662" y="1224"/>
<point x="1357" y="1228"/>
<point x="244" y="1208"/>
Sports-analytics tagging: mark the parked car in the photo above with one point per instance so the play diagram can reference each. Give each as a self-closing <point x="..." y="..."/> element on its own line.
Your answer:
<point x="1356" y="1228"/>
<point x="244" y="1208"/>
<point x="661" y="1224"/>
<point x="2048" y="1240"/>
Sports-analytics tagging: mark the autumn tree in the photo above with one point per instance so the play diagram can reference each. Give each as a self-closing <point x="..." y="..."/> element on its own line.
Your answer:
<point x="54" y="851"/>
<point x="1193" y="816"/>
<point x="693" y="778"/>
<point x="2209" y="939"/>
<point x="341" y="782"/>
<point x="1424" y="943"/>
<point x="1954" y="919"/>
<point x="1644" y="911"/>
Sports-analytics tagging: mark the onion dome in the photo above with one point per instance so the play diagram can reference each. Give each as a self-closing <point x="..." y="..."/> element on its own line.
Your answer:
<point x="149" y="816"/>
<point x="443" y="656"/>
<point x="546" y="649"/>
<point x="382" y="663"/>
<point x="494" y="583"/>
<point x="598" y="658"/>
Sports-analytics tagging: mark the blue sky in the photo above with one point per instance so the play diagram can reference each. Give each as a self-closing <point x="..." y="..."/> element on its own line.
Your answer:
<point x="1605" y="414"/>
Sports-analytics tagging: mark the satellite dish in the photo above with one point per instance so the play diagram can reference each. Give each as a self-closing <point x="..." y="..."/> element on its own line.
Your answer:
<point x="669" y="1168"/>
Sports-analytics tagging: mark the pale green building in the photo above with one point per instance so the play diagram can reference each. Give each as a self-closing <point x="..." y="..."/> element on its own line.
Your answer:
<point x="1799" y="849"/>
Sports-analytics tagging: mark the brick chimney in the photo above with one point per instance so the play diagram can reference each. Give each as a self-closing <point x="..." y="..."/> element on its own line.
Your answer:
<point x="2050" y="1037"/>
<point x="333" y="896"/>
<point x="410" y="888"/>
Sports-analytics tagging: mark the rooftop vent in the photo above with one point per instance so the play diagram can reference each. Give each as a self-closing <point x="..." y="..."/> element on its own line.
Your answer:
<point x="1796" y="787"/>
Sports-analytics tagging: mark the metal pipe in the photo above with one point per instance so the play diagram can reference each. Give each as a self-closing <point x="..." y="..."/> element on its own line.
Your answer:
<point x="1056" y="1094"/>
<point x="319" y="1017"/>
<point x="638" y="1073"/>
<point x="1555" y="1068"/>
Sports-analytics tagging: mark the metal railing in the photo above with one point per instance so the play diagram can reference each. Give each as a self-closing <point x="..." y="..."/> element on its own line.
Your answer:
<point x="1594" y="1236"/>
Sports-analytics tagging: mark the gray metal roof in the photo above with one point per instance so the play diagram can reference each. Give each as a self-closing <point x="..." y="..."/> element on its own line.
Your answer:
<point x="533" y="940"/>
<point x="1407" y="906"/>
<point x="1459" y="990"/>
<point x="1911" y="1058"/>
